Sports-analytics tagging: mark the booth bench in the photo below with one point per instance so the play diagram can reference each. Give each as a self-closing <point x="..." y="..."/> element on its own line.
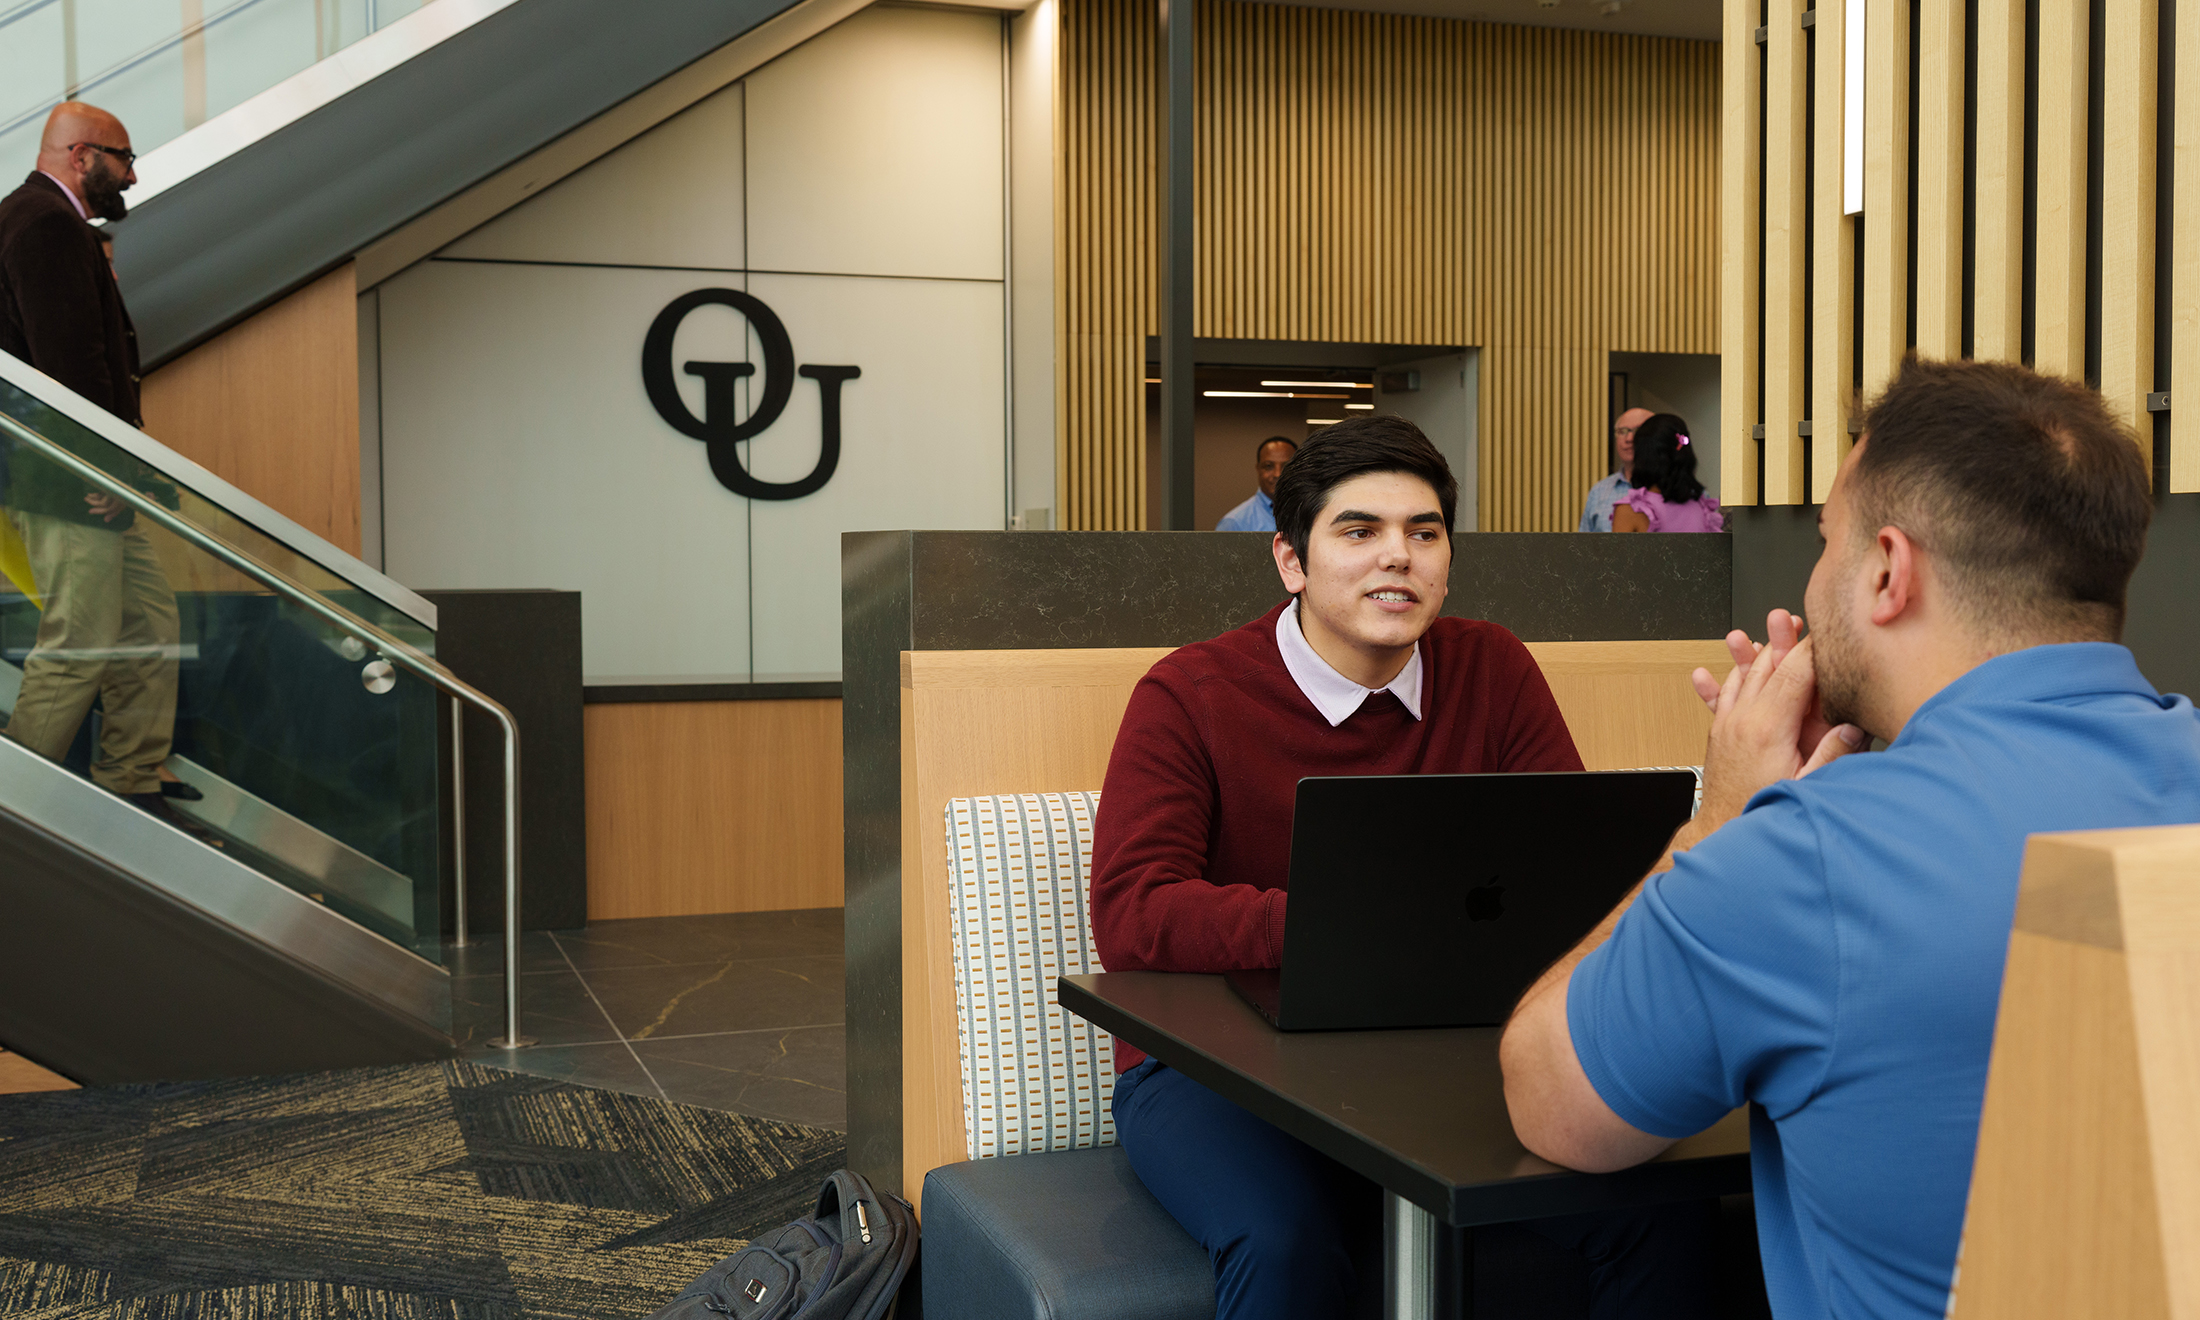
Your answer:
<point x="1029" y="1209"/>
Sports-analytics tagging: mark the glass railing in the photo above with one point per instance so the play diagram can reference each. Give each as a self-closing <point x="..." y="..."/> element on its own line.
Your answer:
<point x="312" y="758"/>
<point x="163" y="66"/>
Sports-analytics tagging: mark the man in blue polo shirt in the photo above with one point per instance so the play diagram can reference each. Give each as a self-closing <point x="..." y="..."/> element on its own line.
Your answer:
<point x="1824" y="943"/>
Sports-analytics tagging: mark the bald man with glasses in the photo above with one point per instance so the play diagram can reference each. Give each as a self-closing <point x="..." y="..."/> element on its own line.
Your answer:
<point x="59" y="308"/>
<point x="107" y="629"/>
<point x="1596" y="511"/>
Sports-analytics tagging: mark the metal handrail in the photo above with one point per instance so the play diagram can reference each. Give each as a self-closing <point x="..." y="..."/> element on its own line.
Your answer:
<point x="391" y="648"/>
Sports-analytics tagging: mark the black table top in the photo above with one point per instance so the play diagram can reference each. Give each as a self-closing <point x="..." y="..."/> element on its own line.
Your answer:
<point x="1422" y="1111"/>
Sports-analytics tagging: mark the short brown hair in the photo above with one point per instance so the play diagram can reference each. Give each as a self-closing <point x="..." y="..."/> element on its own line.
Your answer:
<point x="2027" y="491"/>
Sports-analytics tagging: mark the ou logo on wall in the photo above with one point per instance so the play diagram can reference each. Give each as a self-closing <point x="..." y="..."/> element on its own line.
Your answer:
<point x="716" y="428"/>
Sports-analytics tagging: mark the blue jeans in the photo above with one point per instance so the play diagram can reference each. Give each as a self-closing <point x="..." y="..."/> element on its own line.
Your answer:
<point x="1283" y="1223"/>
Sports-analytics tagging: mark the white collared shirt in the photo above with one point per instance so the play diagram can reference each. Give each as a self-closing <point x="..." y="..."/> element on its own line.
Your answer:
<point x="1334" y="695"/>
<point x="81" y="213"/>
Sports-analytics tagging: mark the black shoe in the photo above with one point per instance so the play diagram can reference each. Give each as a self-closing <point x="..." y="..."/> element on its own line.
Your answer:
<point x="180" y="791"/>
<point x="156" y="806"/>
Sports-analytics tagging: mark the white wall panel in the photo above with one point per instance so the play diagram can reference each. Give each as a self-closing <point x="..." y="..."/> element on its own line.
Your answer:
<point x="520" y="451"/>
<point x="921" y="441"/>
<point x="519" y="445"/>
<point x="876" y="149"/>
<point x="671" y="197"/>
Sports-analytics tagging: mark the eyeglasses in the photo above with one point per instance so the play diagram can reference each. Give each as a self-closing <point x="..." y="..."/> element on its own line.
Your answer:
<point x="123" y="154"/>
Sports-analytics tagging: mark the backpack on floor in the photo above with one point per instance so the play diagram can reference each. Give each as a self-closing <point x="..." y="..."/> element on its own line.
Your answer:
<point x="845" y="1261"/>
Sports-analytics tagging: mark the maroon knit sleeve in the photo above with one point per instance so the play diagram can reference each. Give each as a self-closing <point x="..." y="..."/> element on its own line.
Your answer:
<point x="1535" y="736"/>
<point x="1152" y="907"/>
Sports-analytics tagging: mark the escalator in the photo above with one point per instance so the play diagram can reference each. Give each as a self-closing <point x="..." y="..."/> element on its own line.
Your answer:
<point x="294" y="921"/>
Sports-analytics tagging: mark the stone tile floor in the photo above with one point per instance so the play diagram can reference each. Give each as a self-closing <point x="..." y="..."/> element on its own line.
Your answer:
<point x="742" y="1012"/>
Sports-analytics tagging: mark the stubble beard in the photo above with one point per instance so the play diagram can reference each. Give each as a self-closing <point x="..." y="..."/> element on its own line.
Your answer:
<point x="1838" y="663"/>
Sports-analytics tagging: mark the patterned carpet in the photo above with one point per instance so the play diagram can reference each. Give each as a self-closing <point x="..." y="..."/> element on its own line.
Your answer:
<point x="435" y="1190"/>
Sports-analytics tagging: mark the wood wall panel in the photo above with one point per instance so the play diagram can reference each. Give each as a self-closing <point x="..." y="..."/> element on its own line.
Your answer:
<point x="2058" y="219"/>
<point x="2184" y="365"/>
<point x="2024" y="258"/>
<point x="1741" y="304"/>
<point x="1940" y="175"/>
<point x="271" y="406"/>
<point x="1109" y="265"/>
<point x="1545" y="195"/>
<point x="2128" y="59"/>
<point x="1886" y="191"/>
<point x="1787" y="250"/>
<point x="1997" y="298"/>
<point x="713" y="806"/>
<point x="1832" y="260"/>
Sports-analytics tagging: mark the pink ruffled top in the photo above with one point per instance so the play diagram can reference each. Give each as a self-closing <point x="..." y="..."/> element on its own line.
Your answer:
<point x="1698" y="515"/>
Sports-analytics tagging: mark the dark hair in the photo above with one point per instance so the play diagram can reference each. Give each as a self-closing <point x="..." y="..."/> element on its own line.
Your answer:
<point x="2027" y="491"/>
<point x="1665" y="459"/>
<point x="1262" y="447"/>
<point x="1352" y="448"/>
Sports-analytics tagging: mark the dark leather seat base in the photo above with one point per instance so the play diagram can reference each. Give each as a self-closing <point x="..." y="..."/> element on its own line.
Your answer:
<point x="1066" y="1235"/>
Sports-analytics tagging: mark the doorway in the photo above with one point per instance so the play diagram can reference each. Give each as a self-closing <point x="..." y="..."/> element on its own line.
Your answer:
<point x="1252" y="390"/>
<point x="1685" y="384"/>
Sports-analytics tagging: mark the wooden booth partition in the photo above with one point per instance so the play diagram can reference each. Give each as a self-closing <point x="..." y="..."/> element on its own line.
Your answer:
<point x="2085" y="1198"/>
<point x="271" y="405"/>
<point x="986" y="722"/>
<point x="975" y="722"/>
<point x="1630" y="704"/>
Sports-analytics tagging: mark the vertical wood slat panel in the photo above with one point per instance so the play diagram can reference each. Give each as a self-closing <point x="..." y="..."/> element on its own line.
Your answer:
<point x="2058" y="300"/>
<point x="2184" y="367"/>
<point x="1886" y="189"/>
<point x="1940" y="175"/>
<point x="1108" y="289"/>
<point x="1536" y="193"/>
<point x="2128" y="72"/>
<point x="2055" y="230"/>
<point x="1786" y="253"/>
<point x="1997" y="318"/>
<point x="1741" y="85"/>
<point x="1833" y="264"/>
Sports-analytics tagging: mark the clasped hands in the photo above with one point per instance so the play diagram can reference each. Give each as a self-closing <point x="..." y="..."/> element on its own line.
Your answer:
<point x="1766" y="725"/>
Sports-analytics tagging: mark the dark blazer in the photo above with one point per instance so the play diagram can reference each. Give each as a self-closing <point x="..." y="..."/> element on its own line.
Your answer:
<point x="61" y="312"/>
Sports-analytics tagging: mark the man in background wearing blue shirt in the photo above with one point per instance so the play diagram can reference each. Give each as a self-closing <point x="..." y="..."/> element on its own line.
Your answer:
<point x="1824" y="942"/>
<point x="1258" y="514"/>
<point x="1596" y="511"/>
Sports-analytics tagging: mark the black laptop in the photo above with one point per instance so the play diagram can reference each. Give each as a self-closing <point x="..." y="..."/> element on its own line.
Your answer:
<point x="1436" y="900"/>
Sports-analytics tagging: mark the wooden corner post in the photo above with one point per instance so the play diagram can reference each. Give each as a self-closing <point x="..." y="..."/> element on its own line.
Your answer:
<point x="2085" y="1200"/>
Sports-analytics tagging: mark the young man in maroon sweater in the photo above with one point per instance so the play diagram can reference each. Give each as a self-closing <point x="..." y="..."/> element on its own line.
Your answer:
<point x="1356" y="674"/>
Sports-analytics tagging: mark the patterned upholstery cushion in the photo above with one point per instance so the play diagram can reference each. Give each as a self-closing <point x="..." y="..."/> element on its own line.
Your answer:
<point x="1034" y="1078"/>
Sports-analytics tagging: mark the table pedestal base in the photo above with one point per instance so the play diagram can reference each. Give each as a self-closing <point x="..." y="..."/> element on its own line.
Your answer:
<point x="1409" y="1260"/>
<point x="1428" y="1269"/>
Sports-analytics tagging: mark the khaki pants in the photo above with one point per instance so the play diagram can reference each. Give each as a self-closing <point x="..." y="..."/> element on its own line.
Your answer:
<point x="109" y="631"/>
